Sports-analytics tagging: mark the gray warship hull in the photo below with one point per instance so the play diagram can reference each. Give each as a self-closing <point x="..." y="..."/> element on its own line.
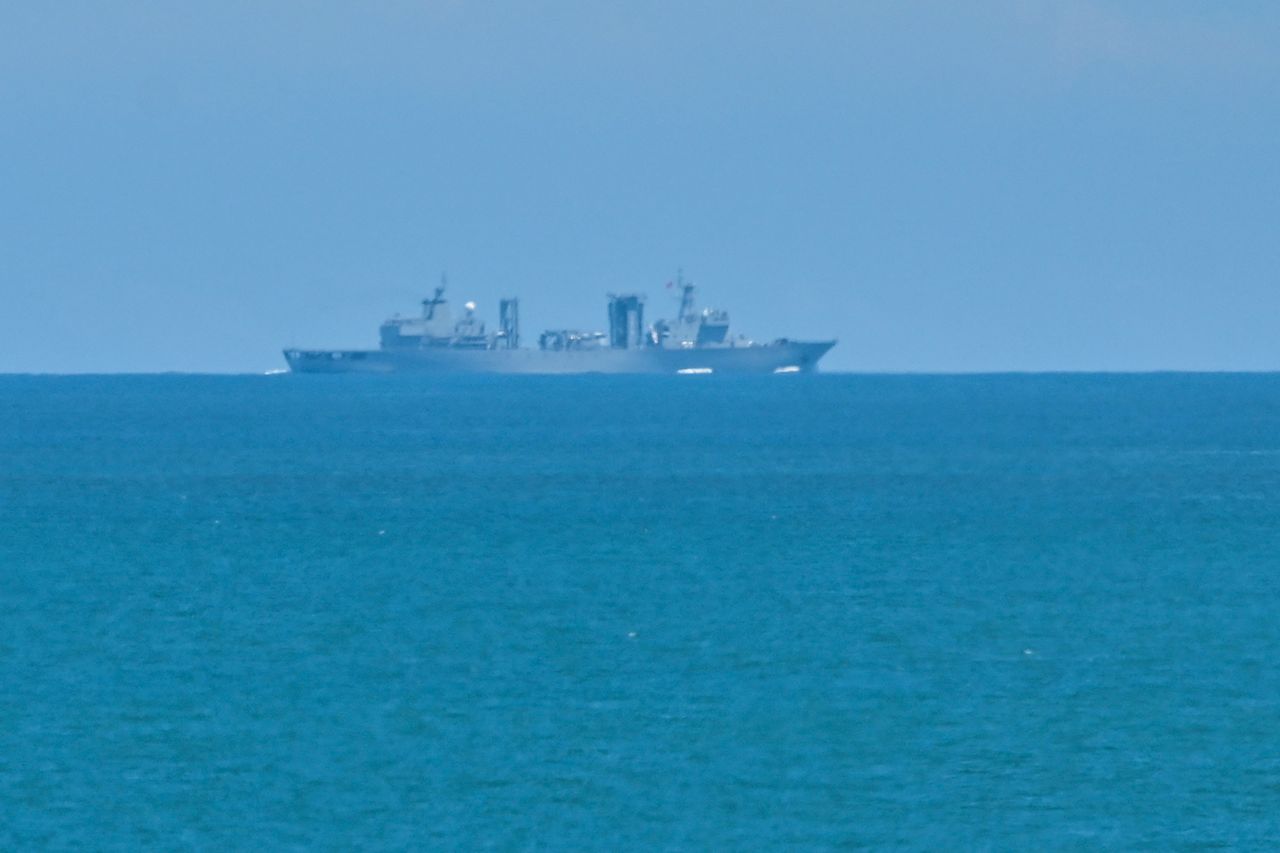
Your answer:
<point x="778" y="357"/>
<point x="694" y="342"/>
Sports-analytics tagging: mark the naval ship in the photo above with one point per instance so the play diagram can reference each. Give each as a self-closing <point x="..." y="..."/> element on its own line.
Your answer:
<point x="694" y="342"/>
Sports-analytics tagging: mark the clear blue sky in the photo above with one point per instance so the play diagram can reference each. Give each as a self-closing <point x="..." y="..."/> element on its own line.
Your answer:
<point x="941" y="185"/>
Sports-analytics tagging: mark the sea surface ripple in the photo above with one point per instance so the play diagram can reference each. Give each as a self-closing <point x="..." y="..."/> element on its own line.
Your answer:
<point x="692" y="613"/>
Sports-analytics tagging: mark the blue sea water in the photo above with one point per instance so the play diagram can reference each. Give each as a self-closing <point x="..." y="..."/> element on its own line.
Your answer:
<point x="283" y="612"/>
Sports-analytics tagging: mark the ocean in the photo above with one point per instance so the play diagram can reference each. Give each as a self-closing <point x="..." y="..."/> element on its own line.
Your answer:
<point x="640" y="613"/>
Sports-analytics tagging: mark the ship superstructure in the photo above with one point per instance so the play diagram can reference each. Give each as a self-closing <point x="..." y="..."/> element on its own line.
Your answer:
<point x="694" y="342"/>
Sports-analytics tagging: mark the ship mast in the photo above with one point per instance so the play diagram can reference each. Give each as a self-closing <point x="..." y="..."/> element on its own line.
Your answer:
<point x="686" y="296"/>
<point x="429" y="305"/>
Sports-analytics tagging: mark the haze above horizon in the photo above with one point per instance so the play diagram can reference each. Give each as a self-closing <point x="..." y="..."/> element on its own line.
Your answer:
<point x="989" y="186"/>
